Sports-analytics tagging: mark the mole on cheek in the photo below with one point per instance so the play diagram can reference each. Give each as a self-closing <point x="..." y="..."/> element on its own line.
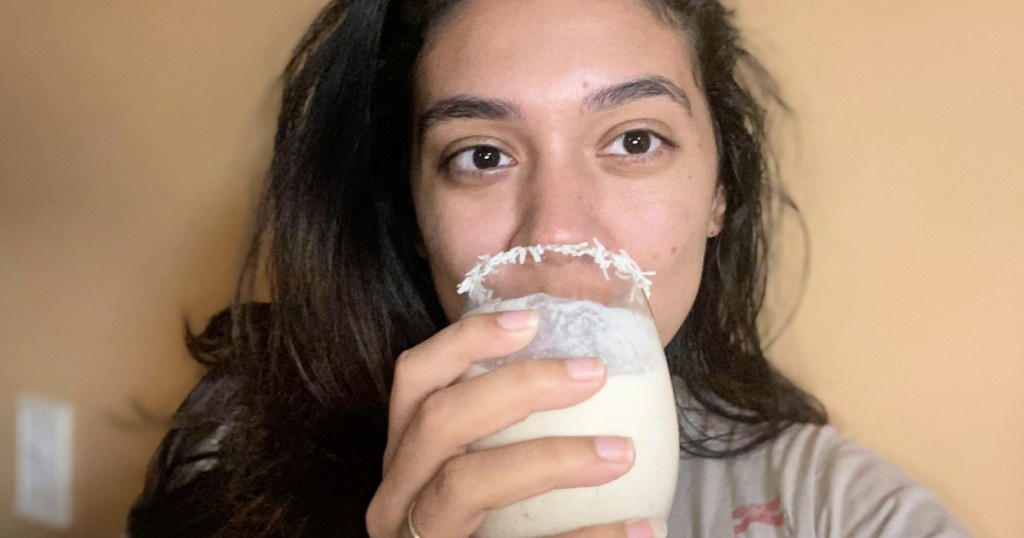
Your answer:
<point x="675" y="250"/>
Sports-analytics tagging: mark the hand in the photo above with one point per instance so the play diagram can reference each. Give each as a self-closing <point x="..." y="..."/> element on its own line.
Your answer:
<point x="433" y="419"/>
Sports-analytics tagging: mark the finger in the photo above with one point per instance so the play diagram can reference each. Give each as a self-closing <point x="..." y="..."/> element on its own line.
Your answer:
<point x="452" y="418"/>
<point x="442" y="358"/>
<point x="457" y="497"/>
<point x="637" y="528"/>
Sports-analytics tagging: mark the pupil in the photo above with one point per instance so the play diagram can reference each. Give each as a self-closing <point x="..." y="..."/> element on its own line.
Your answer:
<point x="636" y="142"/>
<point x="486" y="157"/>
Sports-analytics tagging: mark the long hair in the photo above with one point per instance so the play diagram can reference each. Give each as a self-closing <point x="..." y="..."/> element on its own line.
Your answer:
<point x="718" y="352"/>
<point x="337" y="238"/>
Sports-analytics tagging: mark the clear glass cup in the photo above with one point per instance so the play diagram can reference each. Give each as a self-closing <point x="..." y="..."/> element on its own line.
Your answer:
<point x="592" y="303"/>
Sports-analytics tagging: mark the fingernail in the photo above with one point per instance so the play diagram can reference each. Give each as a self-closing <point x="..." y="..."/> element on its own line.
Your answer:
<point x="643" y="528"/>
<point x="659" y="527"/>
<point x="585" y="368"/>
<point x="518" y="320"/>
<point x="618" y="449"/>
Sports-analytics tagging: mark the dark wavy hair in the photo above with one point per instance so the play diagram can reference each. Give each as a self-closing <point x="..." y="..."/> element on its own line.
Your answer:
<point x="337" y="239"/>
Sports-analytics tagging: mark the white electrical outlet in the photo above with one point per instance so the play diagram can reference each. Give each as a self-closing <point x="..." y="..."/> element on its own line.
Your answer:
<point x="42" y="490"/>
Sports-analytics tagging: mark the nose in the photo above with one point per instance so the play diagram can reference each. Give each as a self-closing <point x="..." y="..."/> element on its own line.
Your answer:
<point x="558" y="203"/>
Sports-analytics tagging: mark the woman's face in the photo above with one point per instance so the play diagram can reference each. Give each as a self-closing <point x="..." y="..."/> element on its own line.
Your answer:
<point x="544" y="122"/>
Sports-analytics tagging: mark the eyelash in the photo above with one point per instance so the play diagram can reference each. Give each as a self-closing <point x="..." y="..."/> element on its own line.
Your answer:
<point x="665" y="144"/>
<point x="641" y="158"/>
<point x="445" y="166"/>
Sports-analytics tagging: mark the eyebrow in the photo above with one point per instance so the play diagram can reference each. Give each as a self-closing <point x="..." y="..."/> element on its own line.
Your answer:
<point x="615" y="95"/>
<point x="467" y="107"/>
<point x="634" y="90"/>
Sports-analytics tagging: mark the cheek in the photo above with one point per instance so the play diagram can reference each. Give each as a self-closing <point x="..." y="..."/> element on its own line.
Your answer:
<point x="457" y="230"/>
<point x="442" y="241"/>
<point x="670" y="238"/>
<point x="675" y="287"/>
<point x="434" y="229"/>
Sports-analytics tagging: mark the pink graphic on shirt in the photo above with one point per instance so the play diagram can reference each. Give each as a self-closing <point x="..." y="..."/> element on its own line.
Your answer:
<point x="748" y="514"/>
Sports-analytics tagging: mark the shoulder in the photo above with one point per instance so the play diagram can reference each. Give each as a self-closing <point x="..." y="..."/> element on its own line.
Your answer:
<point x="851" y="491"/>
<point x="813" y="481"/>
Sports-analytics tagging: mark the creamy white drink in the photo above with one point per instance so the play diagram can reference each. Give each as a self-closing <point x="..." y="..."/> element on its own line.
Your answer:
<point x="637" y="402"/>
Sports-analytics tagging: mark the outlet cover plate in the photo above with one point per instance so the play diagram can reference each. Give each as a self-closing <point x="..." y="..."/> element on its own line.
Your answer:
<point x="42" y="491"/>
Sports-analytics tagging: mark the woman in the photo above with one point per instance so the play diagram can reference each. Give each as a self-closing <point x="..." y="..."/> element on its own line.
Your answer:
<point x="419" y="134"/>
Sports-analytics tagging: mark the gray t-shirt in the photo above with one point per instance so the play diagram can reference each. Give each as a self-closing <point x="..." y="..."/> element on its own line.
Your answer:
<point x="810" y="482"/>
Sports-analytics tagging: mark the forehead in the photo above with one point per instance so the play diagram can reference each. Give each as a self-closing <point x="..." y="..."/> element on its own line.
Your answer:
<point x="524" y="48"/>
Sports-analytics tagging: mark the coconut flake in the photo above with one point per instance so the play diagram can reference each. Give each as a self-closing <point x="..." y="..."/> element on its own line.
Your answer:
<point x="624" y="266"/>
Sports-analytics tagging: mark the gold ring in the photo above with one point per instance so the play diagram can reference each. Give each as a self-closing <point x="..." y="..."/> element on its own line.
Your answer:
<point x="408" y="520"/>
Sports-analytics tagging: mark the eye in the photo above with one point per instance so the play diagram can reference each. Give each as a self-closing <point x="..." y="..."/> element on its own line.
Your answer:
<point x="635" y="142"/>
<point x="478" y="159"/>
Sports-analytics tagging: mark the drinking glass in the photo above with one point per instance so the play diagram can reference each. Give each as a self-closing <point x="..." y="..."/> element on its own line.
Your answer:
<point x="592" y="303"/>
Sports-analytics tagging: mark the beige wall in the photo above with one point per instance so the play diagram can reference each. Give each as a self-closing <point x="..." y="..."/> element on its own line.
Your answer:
<point x="911" y="178"/>
<point x="133" y="134"/>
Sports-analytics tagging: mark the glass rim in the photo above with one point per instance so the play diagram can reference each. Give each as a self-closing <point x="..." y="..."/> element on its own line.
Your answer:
<point x="623" y="265"/>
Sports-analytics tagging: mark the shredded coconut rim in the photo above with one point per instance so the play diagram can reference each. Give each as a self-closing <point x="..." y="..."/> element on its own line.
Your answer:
<point x="623" y="265"/>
